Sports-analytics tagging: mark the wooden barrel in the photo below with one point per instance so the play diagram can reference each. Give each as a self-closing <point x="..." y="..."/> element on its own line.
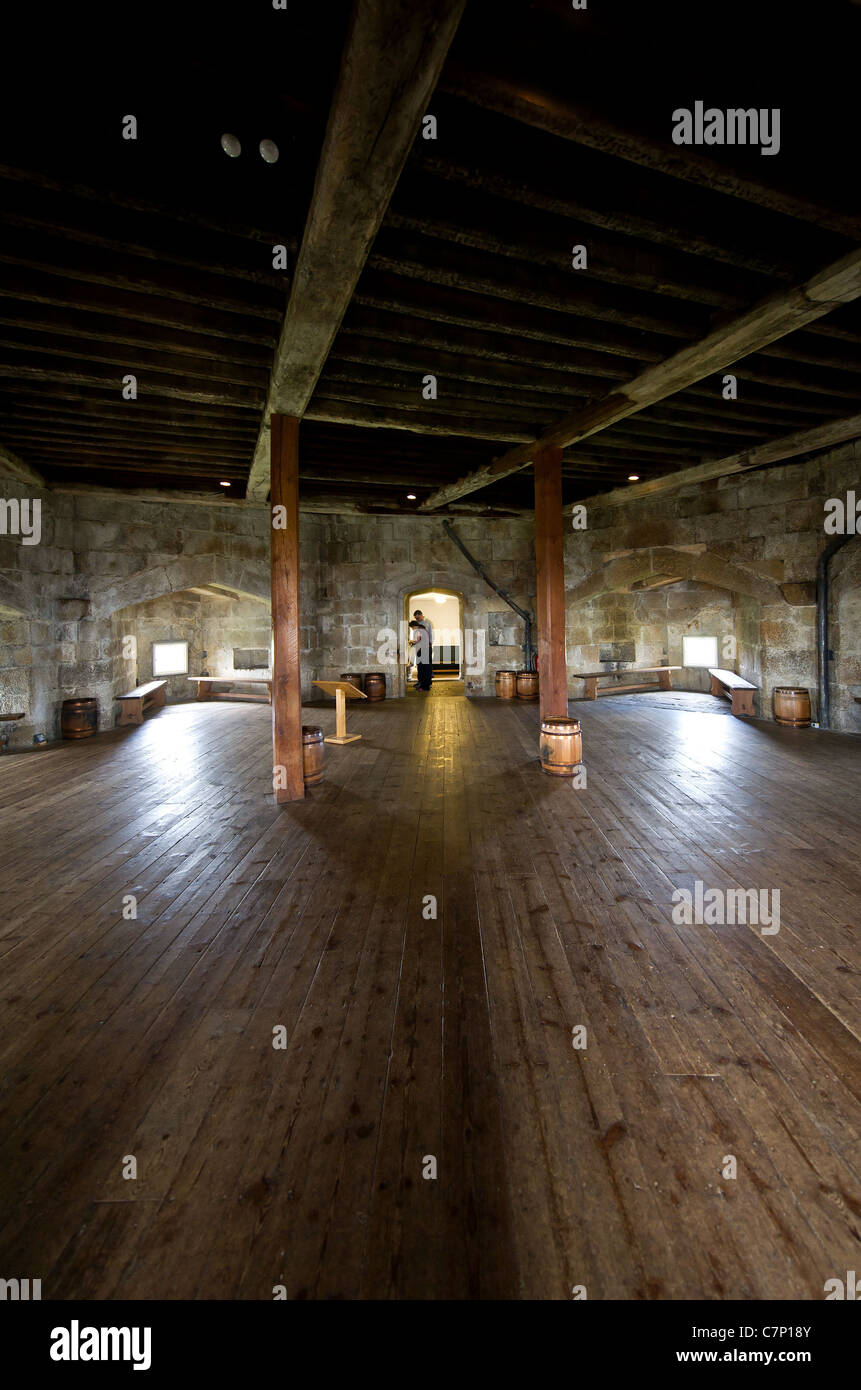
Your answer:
<point x="375" y="685"/>
<point x="312" y="754"/>
<point x="354" y="677"/>
<point x="561" y="746"/>
<point x="79" y="718"/>
<point x="506" y="685"/>
<point x="527" y="685"/>
<point x="791" y="706"/>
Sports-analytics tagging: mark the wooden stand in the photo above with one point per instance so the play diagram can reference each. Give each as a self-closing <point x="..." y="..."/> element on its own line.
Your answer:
<point x="342" y="690"/>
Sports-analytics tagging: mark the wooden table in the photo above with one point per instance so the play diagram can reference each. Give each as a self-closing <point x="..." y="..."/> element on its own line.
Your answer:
<point x="591" y="678"/>
<point x="205" y="691"/>
<point x="342" y="691"/>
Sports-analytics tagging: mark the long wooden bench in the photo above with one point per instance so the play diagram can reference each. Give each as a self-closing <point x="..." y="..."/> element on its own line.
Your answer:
<point x="592" y="691"/>
<point x="135" y="703"/>
<point x="206" y="692"/>
<point x="733" y="688"/>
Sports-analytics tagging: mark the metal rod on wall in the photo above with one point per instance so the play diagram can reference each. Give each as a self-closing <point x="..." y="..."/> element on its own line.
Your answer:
<point x="528" y="619"/>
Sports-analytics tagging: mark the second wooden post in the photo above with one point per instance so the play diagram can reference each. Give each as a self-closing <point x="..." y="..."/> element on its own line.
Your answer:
<point x="553" y="674"/>
<point x="287" y="779"/>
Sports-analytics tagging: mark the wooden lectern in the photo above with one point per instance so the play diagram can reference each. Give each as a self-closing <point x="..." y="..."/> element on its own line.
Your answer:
<point x="342" y="690"/>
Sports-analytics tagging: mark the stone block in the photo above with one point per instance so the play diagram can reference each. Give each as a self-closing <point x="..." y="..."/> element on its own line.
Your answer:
<point x="799" y="593"/>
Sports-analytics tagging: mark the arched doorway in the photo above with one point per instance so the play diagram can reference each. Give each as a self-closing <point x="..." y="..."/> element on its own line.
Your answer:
<point x="444" y="608"/>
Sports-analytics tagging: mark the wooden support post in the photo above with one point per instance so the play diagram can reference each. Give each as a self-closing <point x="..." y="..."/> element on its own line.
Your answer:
<point x="288" y="782"/>
<point x="340" y="715"/>
<point x="553" y="675"/>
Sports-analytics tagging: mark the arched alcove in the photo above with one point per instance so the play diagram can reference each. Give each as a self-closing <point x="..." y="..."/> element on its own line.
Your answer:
<point x="638" y="608"/>
<point x="236" y="576"/>
<point x="844" y="638"/>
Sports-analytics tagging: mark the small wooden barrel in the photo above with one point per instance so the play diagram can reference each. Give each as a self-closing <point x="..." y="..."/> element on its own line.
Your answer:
<point x="791" y="706"/>
<point x="561" y="746"/>
<point x="79" y="718"/>
<point x="506" y="685"/>
<point x="527" y="685"/>
<point x="375" y="685"/>
<point x="312" y="754"/>
<point x="354" y="677"/>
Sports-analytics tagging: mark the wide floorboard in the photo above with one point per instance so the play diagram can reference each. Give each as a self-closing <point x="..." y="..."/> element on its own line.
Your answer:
<point x="432" y="1032"/>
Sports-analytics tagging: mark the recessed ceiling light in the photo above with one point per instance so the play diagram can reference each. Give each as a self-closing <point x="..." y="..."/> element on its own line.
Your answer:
<point x="231" y="146"/>
<point x="224" y="485"/>
<point x="269" y="151"/>
<point x="411" y="497"/>
<point x="633" y="477"/>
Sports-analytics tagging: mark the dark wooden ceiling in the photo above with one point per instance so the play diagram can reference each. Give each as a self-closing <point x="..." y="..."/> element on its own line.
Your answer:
<point x="154" y="257"/>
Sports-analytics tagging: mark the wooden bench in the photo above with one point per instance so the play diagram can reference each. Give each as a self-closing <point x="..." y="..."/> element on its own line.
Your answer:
<point x="591" y="679"/>
<point x="6" y="734"/>
<point x="206" y="692"/>
<point x="136" y="702"/>
<point x="734" y="688"/>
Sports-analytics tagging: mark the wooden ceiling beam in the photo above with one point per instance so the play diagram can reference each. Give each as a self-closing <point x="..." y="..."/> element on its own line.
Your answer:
<point x="135" y="444"/>
<point x="59" y="421"/>
<point x="501" y="279"/>
<point x="546" y="240"/>
<point x="781" y="313"/>
<point x="121" y="466"/>
<point x="119" y="270"/>
<point x="130" y="451"/>
<point x="392" y="58"/>
<point x="389" y="336"/>
<point x="441" y="304"/>
<point x="112" y="197"/>
<point x="675" y="230"/>
<point x="66" y="323"/>
<point x="44" y="287"/>
<point x="174" y="387"/>
<point x="67" y="430"/>
<point x="351" y="506"/>
<point x="545" y="111"/>
<point x="391" y="331"/>
<point x="137" y="359"/>
<point x="120" y="232"/>
<point x="775" y="451"/>
<point x="377" y="385"/>
<point x="427" y="422"/>
<point x="97" y="404"/>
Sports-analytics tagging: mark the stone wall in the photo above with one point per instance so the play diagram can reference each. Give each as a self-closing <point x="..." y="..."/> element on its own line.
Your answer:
<point x="735" y="557"/>
<point x="213" y="625"/>
<point x="844" y="637"/>
<point x="368" y="565"/>
<point x="754" y="535"/>
<point x="646" y="628"/>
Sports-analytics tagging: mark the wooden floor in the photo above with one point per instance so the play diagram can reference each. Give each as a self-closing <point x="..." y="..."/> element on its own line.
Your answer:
<point x="408" y="1036"/>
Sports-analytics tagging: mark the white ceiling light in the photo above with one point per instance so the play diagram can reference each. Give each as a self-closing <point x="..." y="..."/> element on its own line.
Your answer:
<point x="411" y="497"/>
<point x="269" y="151"/>
<point x="224" y="485"/>
<point x="231" y="146"/>
<point x="633" y="477"/>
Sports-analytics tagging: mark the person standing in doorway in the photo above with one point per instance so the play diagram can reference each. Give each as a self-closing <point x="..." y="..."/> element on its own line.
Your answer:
<point x="420" y="641"/>
<point x="426" y="622"/>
